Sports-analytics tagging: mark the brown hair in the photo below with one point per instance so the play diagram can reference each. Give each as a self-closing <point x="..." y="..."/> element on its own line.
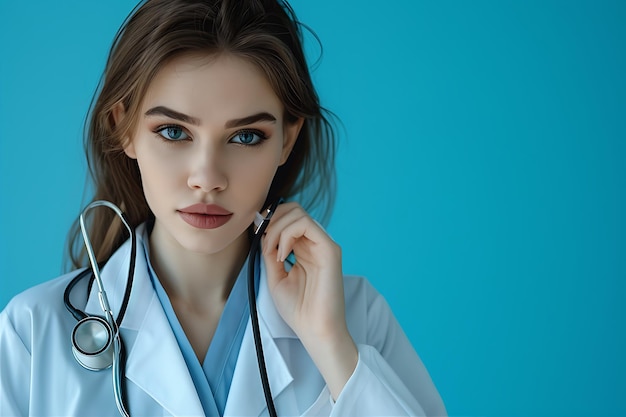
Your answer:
<point x="264" y="32"/>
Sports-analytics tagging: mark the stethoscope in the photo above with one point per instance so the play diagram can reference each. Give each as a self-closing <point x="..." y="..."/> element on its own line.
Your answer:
<point x="96" y="340"/>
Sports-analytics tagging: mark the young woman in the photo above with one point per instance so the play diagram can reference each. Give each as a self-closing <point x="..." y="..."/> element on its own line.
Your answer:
<point x="205" y="117"/>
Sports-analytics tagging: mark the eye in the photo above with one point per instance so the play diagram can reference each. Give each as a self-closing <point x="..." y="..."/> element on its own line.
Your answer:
<point x="248" y="137"/>
<point x="172" y="133"/>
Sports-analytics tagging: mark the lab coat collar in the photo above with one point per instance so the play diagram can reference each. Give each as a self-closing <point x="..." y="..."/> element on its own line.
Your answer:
<point x="246" y="395"/>
<point x="114" y="276"/>
<point x="156" y="365"/>
<point x="154" y="360"/>
<point x="275" y="324"/>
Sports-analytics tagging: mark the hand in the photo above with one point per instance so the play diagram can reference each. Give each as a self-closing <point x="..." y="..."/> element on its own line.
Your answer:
<point x="310" y="296"/>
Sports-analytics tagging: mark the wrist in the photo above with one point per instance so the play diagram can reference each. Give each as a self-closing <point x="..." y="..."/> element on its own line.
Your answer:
<point x="336" y="357"/>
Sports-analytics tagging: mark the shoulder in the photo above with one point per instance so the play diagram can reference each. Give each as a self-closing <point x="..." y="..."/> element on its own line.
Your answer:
<point x="41" y="294"/>
<point x="38" y="304"/>
<point x="361" y="294"/>
<point x="368" y="314"/>
<point x="358" y="286"/>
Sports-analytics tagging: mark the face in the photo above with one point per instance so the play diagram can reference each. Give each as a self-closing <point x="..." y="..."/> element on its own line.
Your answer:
<point x="209" y="139"/>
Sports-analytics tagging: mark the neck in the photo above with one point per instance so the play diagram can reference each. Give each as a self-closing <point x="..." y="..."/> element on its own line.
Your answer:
<point x="196" y="278"/>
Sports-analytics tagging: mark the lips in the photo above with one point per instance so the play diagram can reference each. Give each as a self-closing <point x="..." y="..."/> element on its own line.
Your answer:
<point x="212" y="209"/>
<point x="205" y="216"/>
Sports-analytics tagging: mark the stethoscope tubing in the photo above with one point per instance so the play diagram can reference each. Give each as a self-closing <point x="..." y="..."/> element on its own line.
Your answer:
<point x="97" y="360"/>
<point x="118" y="363"/>
<point x="254" y="317"/>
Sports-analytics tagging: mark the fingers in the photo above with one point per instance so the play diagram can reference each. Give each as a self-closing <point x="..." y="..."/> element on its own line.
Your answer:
<point x="309" y="296"/>
<point x="275" y="270"/>
<point x="290" y="225"/>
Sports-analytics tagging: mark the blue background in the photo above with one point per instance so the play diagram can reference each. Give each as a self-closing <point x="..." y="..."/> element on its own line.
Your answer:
<point x="482" y="174"/>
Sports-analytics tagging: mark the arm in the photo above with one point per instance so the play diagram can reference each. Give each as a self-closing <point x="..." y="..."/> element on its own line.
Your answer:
<point x="383" y="375"/>
<point x="390" y="378"/>
<point x="309" y="297"/>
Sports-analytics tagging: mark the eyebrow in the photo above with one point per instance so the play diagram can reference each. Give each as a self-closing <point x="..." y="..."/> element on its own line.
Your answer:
<point x="259" y="117"/>
<point x="173" y="114"/>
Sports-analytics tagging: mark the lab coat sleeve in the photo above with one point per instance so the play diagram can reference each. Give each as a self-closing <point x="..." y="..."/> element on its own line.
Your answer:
<point x="14" y="370"/>
<point x="389" y="379"/>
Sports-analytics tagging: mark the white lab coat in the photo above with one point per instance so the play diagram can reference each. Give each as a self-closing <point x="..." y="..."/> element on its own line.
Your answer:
<point x="40" y="377"/>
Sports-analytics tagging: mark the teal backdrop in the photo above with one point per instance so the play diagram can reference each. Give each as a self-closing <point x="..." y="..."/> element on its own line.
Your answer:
<point x="482" y="177"/>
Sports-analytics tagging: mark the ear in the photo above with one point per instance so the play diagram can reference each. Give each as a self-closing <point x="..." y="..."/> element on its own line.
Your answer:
<point x="118" y="113"/>
<point x="290" y="135"/>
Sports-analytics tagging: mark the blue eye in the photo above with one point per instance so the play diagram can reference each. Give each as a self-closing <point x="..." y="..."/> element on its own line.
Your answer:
<point x="248" y="137"/>
<point x="172" y="133"/>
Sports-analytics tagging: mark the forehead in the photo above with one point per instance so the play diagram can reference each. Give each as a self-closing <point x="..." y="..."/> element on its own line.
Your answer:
<point x="212" y="88"/>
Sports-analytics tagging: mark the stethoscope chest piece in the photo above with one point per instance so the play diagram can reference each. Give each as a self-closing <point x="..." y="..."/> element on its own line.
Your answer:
<point x="92" y="343"/>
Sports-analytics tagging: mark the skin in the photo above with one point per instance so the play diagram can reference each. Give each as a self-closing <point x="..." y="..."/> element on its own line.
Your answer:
<point x="183" y="162"/>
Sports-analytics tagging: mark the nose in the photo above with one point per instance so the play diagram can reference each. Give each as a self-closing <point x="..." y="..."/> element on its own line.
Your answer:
<point x="207" y="172"/>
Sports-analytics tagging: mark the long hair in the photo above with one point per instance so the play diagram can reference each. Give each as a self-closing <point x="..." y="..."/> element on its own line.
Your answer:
<point x="267" y="34"/>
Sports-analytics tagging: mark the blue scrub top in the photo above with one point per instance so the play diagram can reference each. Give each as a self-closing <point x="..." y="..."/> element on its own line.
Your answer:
<point x="213" y="377"/>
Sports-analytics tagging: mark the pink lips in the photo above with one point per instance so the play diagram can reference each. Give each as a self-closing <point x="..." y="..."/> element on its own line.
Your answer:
<point x="205" y="216"/>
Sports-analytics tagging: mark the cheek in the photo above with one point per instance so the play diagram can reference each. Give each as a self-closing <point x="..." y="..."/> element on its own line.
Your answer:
<point x="254" y="174"/>
<point x="160" y="173"/>
<point x="260" y="168"/>
<point x="154" y="172"/>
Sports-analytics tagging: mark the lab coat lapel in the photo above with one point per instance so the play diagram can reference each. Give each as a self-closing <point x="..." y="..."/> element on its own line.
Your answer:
<point x="246" y="397"/>
<point x="154" y="360"/>
<point x="156" y="365"/>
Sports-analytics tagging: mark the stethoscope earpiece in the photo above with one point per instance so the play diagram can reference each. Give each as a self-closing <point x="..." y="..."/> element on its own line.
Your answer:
<point x="92" y="343"/>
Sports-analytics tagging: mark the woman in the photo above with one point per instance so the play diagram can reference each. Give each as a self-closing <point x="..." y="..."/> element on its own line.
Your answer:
<point x="206" y="116"/>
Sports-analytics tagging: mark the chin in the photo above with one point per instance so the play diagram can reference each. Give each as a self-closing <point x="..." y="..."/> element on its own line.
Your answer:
<point x="209" y="243"/>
